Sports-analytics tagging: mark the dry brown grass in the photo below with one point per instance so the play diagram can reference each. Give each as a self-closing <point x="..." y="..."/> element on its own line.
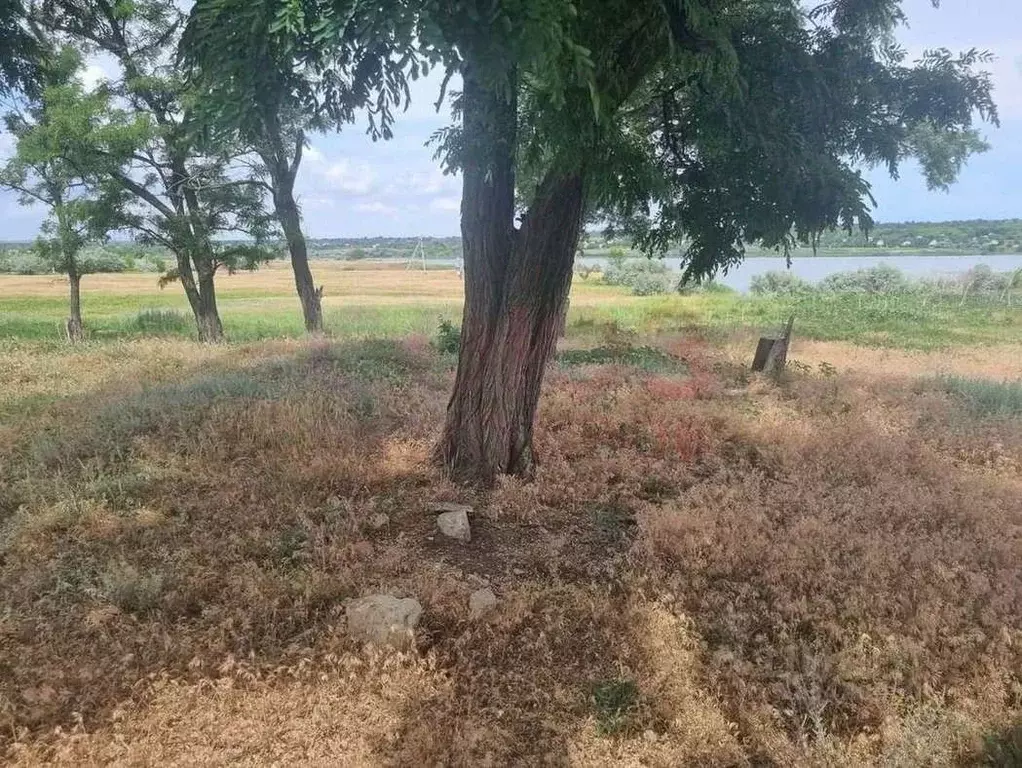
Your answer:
<point x="824" y="572"/>
<point x="345" y="283"/>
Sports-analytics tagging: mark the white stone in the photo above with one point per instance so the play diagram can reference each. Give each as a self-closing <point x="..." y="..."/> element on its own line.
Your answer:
<point x="481" y="602"/>
<point x="384" y="620"/>
<point x="455" y="525"/>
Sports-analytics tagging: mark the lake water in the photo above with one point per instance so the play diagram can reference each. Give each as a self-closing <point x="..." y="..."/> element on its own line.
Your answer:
<point x="816" y="268"/>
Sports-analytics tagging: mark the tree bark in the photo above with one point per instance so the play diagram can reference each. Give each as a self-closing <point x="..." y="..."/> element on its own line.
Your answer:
<point x="207" y="317"/>
<point x="291" y="222"/>
<point x="201" y="296"/>
<point x="516" y="285"/>
<point x="75" y="328"/>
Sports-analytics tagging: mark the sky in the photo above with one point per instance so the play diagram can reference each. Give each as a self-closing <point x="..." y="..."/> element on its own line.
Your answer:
<point x="351" y="187"/>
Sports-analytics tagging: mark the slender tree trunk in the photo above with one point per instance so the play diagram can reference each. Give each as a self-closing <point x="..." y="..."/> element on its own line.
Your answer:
<point x="75" y="328"/>
<point x="201" y="294"/>
<point x="207" y="318"/>
<point x="516" y="285"/>
<point x="291" y="222"/>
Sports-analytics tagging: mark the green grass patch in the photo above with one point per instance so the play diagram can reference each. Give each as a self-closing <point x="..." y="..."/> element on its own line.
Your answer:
<point x="614" y="701"/>
<point x="647" y="358"/>
<point x="162" y="322"/>
<point x="985" y="397"/>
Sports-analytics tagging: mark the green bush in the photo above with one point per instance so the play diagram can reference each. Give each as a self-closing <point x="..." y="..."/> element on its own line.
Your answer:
<point x="102" y="260"/>
<point x="645" y="277"/>
<point x="778" y="283"/>
<point x="23" y="262"/>
<point x="881" y="279"/>
<point x="448" y="338"/>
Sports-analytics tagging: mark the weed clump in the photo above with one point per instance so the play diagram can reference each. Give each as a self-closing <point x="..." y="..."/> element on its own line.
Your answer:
<point x="985" y="397"/>
<point x="161" y="322"/>
<point x="614" y="701"/>
<point x="448" y="338"/>
<point x="130" y="589"/>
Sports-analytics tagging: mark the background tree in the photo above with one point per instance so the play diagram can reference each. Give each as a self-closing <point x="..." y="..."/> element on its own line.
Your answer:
<point x="186" y="195"/>
<point x="257" y="83"/>
<point x="81" y="211"/>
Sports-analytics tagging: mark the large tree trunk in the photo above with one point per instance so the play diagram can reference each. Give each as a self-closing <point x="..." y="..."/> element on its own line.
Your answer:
<point x="75" y="328"/>
<point x="291" y="222"/>
<point x="516" y="285"/>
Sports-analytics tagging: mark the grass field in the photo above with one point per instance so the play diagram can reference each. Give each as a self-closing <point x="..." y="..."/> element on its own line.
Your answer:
<point x="711" y="568"/>
<point x="394" y="302"/>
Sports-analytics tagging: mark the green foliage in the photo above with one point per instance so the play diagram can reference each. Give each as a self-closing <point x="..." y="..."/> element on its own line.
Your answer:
<point x="779" y="283"/>
<point x="292" y="547"/>
<point x="448" y="338"/>
<point x="22" y="262"/>
<point x="729" y="161"/>
<point x="20" y="51"/>
<point x="990" y="236"/>
<point x="881" y="279"/>
<point x="614" y="701"/>
<point x="985" y="397"/>
<point x="644" y="277"/>
<point x="80" y="208"/>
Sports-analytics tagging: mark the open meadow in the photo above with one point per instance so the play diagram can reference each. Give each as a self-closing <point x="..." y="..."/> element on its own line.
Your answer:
<point x="711" y="568"/>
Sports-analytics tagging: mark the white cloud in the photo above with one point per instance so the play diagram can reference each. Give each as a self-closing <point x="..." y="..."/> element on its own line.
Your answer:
<point x="325" y="174"/>
<point x="375" y="206"/>
<point x="445" y="204"/>
<point x="349" y="177"/>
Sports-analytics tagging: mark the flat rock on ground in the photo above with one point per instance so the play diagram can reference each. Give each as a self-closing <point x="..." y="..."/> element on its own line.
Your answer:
<point x="384" y="620"/>
<point x="481" y="602"/>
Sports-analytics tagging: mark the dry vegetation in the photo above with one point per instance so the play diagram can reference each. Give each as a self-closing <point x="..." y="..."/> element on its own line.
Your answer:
<point x="711" y="569"/>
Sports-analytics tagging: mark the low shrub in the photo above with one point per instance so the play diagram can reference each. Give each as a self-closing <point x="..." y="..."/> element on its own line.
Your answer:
<point x="448" y="338"/>
<point x="645" y="277"/>
<point x="881" y="279"/>
<point x="779" y="283"/>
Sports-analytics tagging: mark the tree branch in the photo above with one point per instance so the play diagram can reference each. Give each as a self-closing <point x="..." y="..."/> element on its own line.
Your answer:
<point x="26" y="191"/>
<point x="156" y="236"/>
<point x="139" y="191"/>
<point x="297" y="160"/>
